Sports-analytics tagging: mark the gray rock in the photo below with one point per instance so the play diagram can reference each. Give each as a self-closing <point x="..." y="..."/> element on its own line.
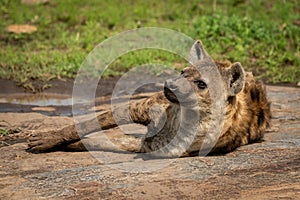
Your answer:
<point x="267" y="169"/>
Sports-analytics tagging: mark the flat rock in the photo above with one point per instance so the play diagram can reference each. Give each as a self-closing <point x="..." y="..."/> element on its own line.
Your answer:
<point x="266" y="170"/>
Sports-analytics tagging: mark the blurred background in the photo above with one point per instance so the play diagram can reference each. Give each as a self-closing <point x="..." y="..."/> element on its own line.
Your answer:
<point x="43" y="40"/>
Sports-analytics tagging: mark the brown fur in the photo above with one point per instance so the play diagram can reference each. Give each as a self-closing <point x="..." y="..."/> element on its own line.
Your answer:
<point x="247" y="116"/>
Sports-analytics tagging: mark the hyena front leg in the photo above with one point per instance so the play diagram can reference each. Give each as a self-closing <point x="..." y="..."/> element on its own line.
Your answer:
<point x="137" y="112"/>
<point x="58" y="139"/>
<point x="63" y="137"/>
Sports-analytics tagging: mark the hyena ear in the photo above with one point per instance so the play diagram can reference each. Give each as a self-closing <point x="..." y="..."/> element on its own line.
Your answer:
<point x="198" y="53"/>
<point x="235" y="79"/>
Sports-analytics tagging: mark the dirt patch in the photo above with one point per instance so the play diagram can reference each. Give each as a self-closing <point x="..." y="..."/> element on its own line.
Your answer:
<point x="265" y="170"/>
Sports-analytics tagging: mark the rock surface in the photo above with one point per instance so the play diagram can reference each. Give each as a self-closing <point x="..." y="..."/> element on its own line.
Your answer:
<point x="266" y="170"/>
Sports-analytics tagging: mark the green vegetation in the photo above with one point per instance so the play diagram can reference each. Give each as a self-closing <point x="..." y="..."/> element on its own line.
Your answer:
<point x="4" y="131"/>
<point x="263" y="35"/>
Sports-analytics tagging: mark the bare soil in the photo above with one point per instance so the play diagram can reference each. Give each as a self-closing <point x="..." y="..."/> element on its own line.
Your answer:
<point x="269" y="169"/>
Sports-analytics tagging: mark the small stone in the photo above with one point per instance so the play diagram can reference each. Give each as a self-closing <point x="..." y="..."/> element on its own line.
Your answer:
<point x="298" y="84"/>
<point x="21" y="28"/>
<point x="44" y="108"/>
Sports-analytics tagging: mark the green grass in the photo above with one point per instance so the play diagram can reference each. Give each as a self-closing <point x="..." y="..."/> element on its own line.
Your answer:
<point x="262" y="35"/>
<point x="4" y="132"/>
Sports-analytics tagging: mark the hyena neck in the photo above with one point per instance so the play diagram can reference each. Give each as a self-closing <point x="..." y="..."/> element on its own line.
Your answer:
<point x="236" y="125"/>
<point x="159" y="135"/>
<point x="179" y="129"/>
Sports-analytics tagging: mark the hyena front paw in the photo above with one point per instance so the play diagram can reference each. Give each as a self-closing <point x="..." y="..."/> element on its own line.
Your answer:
<point x="43" y="141"/>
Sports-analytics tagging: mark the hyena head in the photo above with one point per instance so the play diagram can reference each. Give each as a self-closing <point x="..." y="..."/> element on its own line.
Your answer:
<point x="193" y="85"/>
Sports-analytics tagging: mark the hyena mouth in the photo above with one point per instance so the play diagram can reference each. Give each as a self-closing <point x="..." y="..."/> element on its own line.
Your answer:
<point x="170" y="95"/>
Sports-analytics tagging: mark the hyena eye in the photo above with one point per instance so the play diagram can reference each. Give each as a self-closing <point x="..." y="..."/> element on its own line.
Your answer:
<point x="201" y="85"/>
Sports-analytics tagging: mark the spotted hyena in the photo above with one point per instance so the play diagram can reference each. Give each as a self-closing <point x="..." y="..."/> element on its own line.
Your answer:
<point x="186" y="106"/>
